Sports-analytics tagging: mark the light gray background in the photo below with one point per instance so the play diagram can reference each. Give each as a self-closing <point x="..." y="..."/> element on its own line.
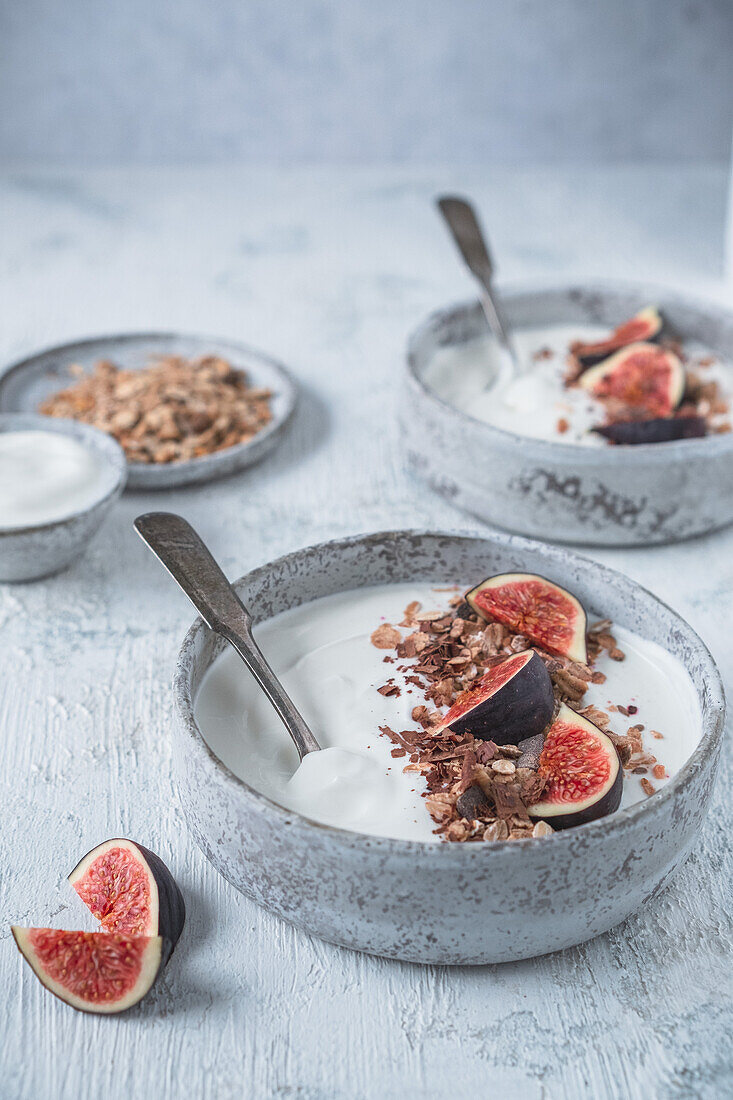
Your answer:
<point x="328" y="269"/>
<point x="455" y="81"/>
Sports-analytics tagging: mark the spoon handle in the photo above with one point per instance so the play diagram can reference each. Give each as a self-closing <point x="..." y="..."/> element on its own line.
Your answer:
<point x="189" y="562"/>
<point x="462" y="220"/>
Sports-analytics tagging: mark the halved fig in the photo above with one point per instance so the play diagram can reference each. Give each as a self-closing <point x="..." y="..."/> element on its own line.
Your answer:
<point x="513" y="700"/>
<point x="93" y="971"/>
<point x="662" y="429"/>
<point x="130" y="891"/>
<point x="583" y="772"/>
<point x="641" y="376"/>
<point x="646" y="326"/>
<point x="542" y="611"/>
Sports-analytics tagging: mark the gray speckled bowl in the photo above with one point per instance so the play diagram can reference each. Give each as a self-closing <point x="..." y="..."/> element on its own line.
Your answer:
<point x="443" y="903"/>
<point x="28" y="553"/>
<point x="25" y="384"/>
<point x="596" y="496"/>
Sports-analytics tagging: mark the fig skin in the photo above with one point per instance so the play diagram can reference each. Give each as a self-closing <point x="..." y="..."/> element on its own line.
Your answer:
<point x="648" y="325"/>
<point x="575" y="647"/>
<point x="591" y="807"/>
<point x="522" y="705"/>
<point x="531" y="750"/>
<point x="473" y="803"/>
<point x="662" y="429"/>
<point x="168" y="909"/>
<point x="602" y="808"/>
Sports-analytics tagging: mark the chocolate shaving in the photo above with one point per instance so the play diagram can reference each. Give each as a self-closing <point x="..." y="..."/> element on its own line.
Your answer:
<point x="467" y="769"/>
<point x="485" y="751"/>
<point x="389" y="689"/>
<point x="478" y="790"/>
<point x="624" y="748"/>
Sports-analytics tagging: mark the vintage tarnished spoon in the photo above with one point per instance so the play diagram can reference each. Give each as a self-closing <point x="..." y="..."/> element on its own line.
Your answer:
<point x="462" y="220"/>
<point x="188" y="560"/>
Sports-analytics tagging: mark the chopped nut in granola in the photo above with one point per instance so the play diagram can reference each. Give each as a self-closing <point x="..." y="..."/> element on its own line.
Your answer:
<point x="386" y="636"/>
<point x="172" y="410"/>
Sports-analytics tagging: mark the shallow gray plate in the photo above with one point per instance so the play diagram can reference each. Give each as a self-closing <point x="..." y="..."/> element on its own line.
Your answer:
<point x="444" y="903"/>
<point x="595" y="496"/>
<point x="25" y="384"/>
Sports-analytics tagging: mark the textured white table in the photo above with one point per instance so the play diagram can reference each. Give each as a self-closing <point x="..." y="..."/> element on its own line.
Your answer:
<point x="328" y="270"/>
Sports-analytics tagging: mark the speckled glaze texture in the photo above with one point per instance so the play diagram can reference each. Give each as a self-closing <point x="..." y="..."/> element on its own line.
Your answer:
<point x="29" y="553"/>
<point x="596" y="496"/>
<point x="24" y="385"/>
<point x="444" y="903"/>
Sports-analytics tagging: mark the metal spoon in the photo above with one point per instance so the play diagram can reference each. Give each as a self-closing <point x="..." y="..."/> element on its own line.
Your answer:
<point x="189" y="562"/>
<point x="462" y="220"/>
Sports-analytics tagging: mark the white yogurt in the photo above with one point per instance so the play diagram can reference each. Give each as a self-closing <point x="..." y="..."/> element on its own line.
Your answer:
<point x="323" y="655"/>
<point x="47" y="476"/>
<point x="533" y="403"/>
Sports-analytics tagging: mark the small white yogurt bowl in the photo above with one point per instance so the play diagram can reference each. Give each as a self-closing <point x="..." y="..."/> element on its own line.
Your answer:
<point x="40" y="549"/>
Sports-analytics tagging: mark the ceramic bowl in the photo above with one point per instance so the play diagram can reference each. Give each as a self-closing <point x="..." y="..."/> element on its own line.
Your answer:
<point x="28" y="553"/>
<point x="443" y="903"/>
<point x="596" y="496"/>
<point x="24" y="385"/>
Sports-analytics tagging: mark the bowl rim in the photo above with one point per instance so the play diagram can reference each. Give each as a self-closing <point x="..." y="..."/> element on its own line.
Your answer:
<point x="618" y="456"/>
<point x="288" y="393"/>
<point x="710" y="737"/>
<point x="98" y="441"/>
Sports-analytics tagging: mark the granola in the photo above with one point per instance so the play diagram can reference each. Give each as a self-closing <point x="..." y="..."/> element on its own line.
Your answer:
<point x="477" y="790"/>
<point x="172" y="410"/>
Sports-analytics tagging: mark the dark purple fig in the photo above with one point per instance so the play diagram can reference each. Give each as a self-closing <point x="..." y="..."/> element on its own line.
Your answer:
<point x="662" y="429"/>
<point x="465" y="611"/>
<point x="473" y="803"/>
<point x="130" y="890"/>
<point x="646" y="326"/>
<point x="531" y="751"/>
<point x="542" y="611"/>
<point x="640" y="376"/>
<point x="512" y="700"/>
<point x="93" y="971"/>
<point x="583" y="773"/>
